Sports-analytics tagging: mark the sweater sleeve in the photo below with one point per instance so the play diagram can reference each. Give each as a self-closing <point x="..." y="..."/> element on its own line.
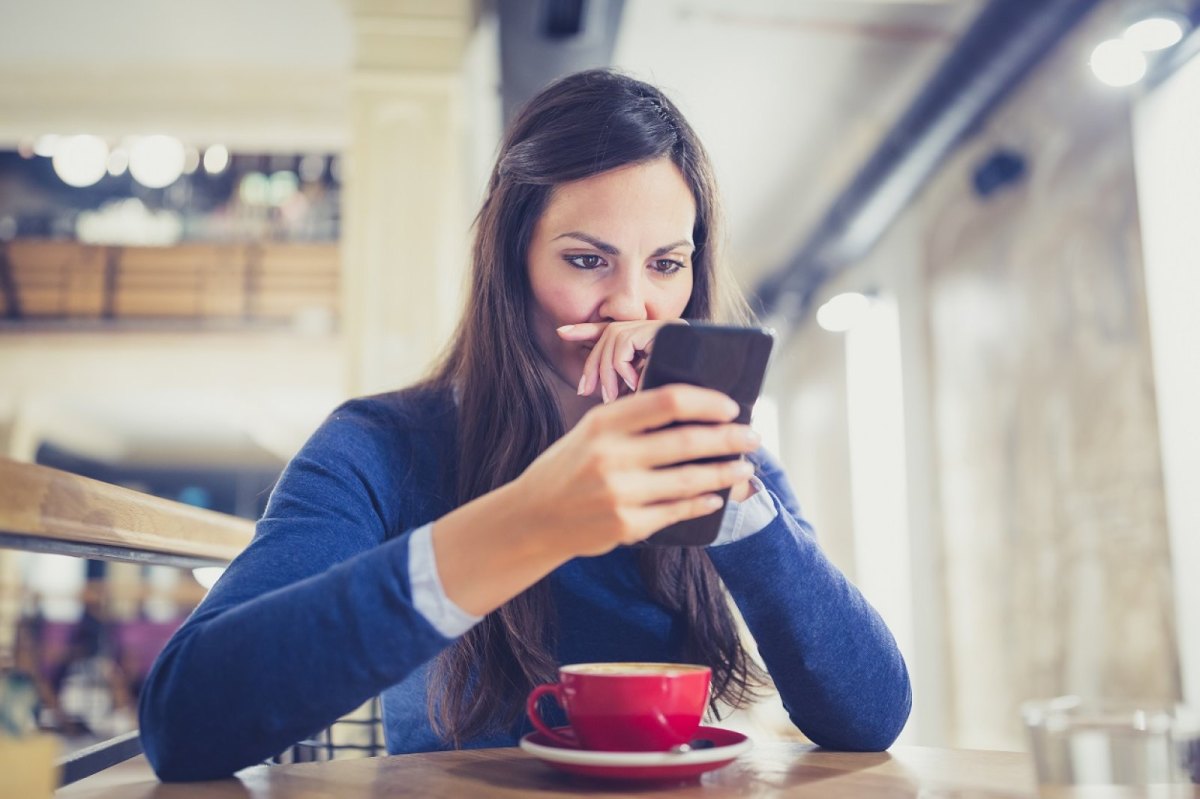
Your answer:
<point x="839" y="672"/>
<point x="312" y="619"/>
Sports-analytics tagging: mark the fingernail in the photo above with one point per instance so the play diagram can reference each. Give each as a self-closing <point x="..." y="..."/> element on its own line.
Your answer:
<point x="752" y="435"/>
<point x="565" y="328"/>
<point x="733" y="409"/>
<point x="713" y="501"/>
<point x="632" y="387"/>
<point x="582" y="384"/>
<point x="744" y="469"/>
<point x="604" y="394"/>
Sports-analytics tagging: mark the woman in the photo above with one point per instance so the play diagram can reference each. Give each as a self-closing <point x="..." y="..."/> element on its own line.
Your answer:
<point x="449" y="545"/>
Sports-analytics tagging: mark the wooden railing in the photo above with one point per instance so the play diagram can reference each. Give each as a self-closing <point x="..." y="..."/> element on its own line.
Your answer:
<point x="46" y="510"/>
<point x="260" y="282"/>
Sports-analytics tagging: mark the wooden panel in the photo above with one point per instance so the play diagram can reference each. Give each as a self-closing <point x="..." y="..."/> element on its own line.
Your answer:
<point x="294" y="258"/>
<point x="157" y="303"/>
<point x="59" y="506"/>
<point x="289" y="279"/>
<point x="187" y="280"/>
<point x="58" y="278"/>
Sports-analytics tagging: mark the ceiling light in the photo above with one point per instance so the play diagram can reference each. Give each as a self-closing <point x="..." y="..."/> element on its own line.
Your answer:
<point x="216" y="158"/>
<point x="80" y="160"/>
<point x="842" y="312"/>
<point x="191" y="160"/>
<point x="118" y="161"/>
<point x="156" y="161"/>
<point x="1154" y="33"/>
<point x="45" y="144"/>
<point x="1118" y="63"/>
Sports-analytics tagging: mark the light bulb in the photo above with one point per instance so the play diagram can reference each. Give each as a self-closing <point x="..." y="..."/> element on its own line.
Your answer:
<point x="1116" y="62"/>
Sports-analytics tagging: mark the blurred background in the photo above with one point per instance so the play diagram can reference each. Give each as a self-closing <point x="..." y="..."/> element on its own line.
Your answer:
<point x="972" y="223"/>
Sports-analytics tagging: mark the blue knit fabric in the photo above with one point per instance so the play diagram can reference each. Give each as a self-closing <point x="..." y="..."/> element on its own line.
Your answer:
<point x="316" y="615"/>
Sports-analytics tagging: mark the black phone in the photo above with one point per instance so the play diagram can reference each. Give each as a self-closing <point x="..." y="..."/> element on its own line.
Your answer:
<point x="732" y="360"/>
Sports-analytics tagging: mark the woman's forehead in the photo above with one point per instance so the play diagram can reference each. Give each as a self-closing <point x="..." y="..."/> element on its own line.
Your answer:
<point x="642" y="201"/>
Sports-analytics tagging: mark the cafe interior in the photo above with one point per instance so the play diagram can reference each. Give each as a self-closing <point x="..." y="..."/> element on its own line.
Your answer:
<point x="970" y="224"/>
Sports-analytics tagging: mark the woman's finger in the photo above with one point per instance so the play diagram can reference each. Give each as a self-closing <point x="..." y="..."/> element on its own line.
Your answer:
<point x="657" y="407"/>
<point x="608" y="377"/>
<point x="629" y="374"/>
<point x="682" y="482"/>
<point x="589" y="382"/>
<point x="690" y="442"/>
<point x="620" y="346"/>
<point x="631" y="346"/>
<point x="647" y="520"/>
<point x="584" y="331"/>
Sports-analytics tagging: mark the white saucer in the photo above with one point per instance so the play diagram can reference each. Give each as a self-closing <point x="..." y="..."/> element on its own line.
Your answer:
<point x="641" y="765"/>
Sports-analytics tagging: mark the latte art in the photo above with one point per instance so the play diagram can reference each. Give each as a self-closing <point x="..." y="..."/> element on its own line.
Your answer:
<point x="633" y="669"/>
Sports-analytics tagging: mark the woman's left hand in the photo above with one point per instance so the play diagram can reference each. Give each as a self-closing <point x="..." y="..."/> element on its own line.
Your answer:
<point x="618" y="356"/>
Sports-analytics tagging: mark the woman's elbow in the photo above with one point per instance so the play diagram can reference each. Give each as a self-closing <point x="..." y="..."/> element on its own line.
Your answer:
<point x="178" y="737"/>
<point x="174" y="755"/>
<point x="871" y="728"/>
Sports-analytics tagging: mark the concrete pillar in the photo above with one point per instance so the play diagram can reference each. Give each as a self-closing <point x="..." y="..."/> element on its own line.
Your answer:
<point x="405" y="223"/>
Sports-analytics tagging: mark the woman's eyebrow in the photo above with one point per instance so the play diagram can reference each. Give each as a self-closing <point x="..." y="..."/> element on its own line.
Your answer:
<point x="609" y="249"/>
<point x="667" y="248"/>
<point x="602" y="246"/>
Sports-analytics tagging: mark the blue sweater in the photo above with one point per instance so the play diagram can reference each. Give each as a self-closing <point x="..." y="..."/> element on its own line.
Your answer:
<point x="316" y="615"/>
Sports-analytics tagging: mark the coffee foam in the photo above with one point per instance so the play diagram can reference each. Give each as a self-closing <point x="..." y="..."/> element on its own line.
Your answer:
<point x="633" y="669"/>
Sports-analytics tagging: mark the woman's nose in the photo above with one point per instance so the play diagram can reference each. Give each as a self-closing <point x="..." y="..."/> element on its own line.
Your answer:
<point x="623" y="301"/>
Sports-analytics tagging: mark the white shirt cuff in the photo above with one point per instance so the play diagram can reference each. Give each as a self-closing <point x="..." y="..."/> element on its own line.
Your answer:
<point x="744" y="519"/>
<point x="428" y="596"/>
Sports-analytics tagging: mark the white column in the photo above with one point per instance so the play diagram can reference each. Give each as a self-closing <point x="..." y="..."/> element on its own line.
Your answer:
<point x="1166" y="128"/>
<point x="405" y="225"/>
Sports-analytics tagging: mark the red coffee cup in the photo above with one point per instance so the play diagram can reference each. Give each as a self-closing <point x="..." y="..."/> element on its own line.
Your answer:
<point x="626" y="707"/>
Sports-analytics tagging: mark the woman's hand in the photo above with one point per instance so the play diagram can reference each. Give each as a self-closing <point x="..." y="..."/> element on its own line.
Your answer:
<point x="611" y="480"/>
<point x="617" y="360"/>
<point x="619" y="353"/>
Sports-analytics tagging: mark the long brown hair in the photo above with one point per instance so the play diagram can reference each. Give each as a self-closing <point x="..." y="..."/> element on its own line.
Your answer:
<point x="582" y="125"/>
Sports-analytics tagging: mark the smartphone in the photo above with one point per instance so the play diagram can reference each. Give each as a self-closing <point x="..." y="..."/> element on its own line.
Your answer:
<point x="732" y="360"/>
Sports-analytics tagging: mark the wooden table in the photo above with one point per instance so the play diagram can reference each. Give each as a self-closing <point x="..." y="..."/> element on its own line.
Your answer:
<point x="771" y="769"/>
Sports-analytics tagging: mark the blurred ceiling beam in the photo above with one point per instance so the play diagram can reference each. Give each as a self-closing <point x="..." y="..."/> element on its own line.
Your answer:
<point x="259" y="109"/>
<point x="1180" y="54"/>
<point x="1006" y="40"/>
<point x="547" y="39"/>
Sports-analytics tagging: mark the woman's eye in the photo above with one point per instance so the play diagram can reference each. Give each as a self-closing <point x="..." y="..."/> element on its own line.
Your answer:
<point x="585" y="261"/>
<point x="667" y="266"/>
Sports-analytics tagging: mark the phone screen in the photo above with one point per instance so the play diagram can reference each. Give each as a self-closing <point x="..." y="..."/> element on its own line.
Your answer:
<point x="732" y="360"/>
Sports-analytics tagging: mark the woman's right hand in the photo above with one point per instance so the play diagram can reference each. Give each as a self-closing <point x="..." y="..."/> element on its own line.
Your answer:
<point x="611" y="480"/>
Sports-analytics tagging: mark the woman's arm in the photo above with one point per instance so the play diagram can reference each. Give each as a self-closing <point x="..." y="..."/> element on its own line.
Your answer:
<point x="837" y="667"/>
<point x="318" y="615"/>
<point x="312" y="619"/>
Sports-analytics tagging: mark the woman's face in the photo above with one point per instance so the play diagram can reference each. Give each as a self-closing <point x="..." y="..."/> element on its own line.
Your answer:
<point x="612" y="247"/>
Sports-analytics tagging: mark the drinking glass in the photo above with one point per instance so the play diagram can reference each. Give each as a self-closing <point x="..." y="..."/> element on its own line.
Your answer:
<point x="1102" y="748"/>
